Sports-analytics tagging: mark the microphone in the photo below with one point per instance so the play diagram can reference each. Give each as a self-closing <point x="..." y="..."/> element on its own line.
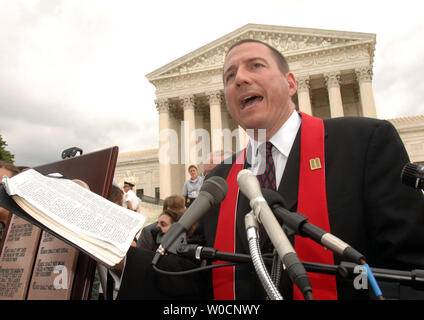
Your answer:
<point x="297" y="222"/>
<point x="250" y="187"/>
<point x="413" y="175"/>
<point x="212" y="192"/>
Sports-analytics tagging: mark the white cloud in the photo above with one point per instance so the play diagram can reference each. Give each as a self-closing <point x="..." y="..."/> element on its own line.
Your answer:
<point x="73" y="72"/>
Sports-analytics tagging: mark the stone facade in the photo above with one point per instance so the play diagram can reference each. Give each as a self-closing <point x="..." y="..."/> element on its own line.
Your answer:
<point x="334" y="74"/>
<point x="140" y="168"/>
<point x="411" y="131"/>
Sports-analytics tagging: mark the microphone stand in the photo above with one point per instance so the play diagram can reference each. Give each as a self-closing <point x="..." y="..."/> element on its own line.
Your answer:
<point x="344" y="270"/>
<point x="269" y="284"/>
<point x="413" y="278"/>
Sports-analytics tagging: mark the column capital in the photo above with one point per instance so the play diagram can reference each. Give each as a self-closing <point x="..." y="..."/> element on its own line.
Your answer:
<point x="332" y="79"/>
<point x="364" y="74"/>
<point x="162" y="105"/>
<point x="214" y="96"/>
<point x="304" y="98"/>
<point x="187" y="102"/>
<point x="303" y="83"/>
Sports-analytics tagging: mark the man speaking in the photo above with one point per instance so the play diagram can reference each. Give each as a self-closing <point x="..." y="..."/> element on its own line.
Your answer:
<point x="342" y="173"/>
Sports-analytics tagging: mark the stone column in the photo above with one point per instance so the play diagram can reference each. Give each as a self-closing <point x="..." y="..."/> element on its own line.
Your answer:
<point x="303" y="95"/>
<point x="364" y="78"/>
<point x="225" y="117"/>
<point x="189" y="126"/>
<point x="332" y="80"/>
<point x="162" y="105"/>
<point x="216" y="119"/>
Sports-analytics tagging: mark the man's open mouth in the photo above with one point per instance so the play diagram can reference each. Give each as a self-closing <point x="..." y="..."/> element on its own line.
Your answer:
<point x="250" y="101"/>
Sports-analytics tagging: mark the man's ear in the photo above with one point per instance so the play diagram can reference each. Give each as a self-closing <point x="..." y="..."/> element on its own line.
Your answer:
<point x="291" y="80"/>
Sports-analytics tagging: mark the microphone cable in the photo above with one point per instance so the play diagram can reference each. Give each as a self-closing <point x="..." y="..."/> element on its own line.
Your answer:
<point x="372" y="281"/>
<point x="194" y="270"/>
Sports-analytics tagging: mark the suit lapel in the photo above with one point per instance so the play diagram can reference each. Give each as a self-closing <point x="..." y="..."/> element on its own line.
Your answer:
<point x="243" y="208"/>
<point x="289" y="184"/>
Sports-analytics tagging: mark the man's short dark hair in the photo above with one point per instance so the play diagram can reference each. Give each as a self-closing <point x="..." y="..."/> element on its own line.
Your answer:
<point x="279" y="58"/>
<point x="116" y="195"/>
<point x="174" y="202"/>
<point x="174" y="215"/>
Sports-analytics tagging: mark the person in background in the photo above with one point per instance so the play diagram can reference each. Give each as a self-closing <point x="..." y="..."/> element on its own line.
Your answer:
<point x="192" y="186"/>
<point x="131" y="200"/>
<point x="147" y="239"/>
<point x="165" y="221"/>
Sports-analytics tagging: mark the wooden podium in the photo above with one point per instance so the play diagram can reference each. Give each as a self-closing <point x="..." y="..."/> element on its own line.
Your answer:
<point x="36" y="263"/>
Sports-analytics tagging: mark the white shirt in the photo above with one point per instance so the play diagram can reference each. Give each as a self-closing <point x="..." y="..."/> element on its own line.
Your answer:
<point x="130" y="196"/>
<point x="282" y="142"/>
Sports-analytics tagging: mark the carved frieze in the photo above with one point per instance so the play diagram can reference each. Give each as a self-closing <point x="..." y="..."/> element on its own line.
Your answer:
<point x="213" y="58"/>
<point x="195" y="82"/>
<point x="288" y="44"/>
<point x="320" y="59"/>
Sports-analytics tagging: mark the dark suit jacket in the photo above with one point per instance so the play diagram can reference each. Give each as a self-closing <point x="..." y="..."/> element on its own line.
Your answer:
<point x="368" y="206"/>
<point x="147" y="238"/>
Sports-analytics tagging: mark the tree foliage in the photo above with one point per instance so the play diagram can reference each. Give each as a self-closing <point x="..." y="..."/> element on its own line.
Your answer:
<point x="4" y="154"/>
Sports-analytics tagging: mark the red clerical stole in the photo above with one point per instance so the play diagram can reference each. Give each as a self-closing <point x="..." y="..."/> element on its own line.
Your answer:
<point x="312" y="202"/>
<point x="223" y="278"/>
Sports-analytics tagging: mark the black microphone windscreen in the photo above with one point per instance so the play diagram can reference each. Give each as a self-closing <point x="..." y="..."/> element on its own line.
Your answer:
<point x="215" y="186"/>
<point x="273" y="197"/>
<point x="413" y="175"/>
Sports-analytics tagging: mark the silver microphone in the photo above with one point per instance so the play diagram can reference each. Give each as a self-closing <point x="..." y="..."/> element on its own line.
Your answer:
<point x="250" y="187"/>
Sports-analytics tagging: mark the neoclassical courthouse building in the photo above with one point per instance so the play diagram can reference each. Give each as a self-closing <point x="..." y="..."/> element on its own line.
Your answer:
<point x="333" y="70"/>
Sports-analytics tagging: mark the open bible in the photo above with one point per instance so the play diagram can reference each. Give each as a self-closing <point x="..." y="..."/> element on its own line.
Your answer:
<point x="77" y="215"/>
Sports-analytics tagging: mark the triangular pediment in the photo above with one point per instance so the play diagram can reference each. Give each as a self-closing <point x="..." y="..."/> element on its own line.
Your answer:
<point x="290" y="41"/>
